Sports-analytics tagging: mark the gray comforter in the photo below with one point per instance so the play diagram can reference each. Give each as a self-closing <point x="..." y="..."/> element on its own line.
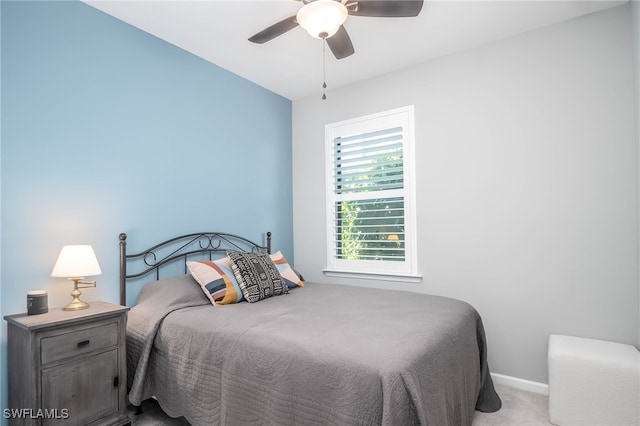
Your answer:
<point x="323" y="354"/>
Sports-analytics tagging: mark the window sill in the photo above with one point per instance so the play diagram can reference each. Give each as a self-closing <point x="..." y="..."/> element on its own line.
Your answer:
<point x="408" y="278"/>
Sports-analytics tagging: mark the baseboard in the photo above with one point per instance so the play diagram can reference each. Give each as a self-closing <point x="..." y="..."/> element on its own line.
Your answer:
<point x="522" y="384"/>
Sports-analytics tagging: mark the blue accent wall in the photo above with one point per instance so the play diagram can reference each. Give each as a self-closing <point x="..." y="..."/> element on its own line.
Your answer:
<point x="107" y="129"/>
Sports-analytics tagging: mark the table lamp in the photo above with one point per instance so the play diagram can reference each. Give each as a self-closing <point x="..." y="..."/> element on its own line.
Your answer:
<point x="76" y="262"/>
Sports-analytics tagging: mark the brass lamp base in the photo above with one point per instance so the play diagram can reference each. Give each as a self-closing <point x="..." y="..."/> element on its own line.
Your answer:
<point x="76" y="304"/>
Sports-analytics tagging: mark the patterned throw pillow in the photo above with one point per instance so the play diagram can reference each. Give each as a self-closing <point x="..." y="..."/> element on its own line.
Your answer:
<point x="257" y="275"/>
<point x="289" y="276"/>
<point x="216" y="280"/>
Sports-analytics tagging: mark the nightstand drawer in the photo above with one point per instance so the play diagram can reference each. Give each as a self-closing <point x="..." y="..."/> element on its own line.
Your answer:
<point x="55" y="348"/>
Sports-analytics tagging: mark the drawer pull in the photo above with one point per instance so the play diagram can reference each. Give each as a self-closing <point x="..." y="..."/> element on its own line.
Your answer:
<point x="83" y="343"/>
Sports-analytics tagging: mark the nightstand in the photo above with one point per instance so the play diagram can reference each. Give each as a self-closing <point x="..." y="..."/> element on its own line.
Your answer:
<point x="68" y="367"/>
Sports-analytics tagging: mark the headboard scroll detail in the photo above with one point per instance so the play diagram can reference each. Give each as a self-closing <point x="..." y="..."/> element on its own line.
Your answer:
<point x="181" y="248"/>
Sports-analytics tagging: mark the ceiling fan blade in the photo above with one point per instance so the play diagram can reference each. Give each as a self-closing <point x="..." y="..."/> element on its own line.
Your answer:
<point x="340" y="44"/>
<point x="275" y="30"/>
<point x="385" y="8"/>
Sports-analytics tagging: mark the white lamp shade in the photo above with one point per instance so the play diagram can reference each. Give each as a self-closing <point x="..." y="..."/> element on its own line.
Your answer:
<point x="76" y="261"/>
<point x="322" y="16"/>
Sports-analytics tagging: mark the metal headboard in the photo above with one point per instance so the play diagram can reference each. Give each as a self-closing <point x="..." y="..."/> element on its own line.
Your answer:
<point x="182" y="248"/>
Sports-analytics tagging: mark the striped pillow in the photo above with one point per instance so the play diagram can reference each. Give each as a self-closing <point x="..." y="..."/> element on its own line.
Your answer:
<point x="289" y="276"/>
<point x="216" y="280"/>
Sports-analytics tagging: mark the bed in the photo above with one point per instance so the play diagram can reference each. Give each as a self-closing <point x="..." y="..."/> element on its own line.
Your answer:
<point x="321" y="354"/>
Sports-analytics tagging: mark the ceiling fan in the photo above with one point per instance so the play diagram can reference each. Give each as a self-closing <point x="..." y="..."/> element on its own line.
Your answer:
<point x="324" y="18"/>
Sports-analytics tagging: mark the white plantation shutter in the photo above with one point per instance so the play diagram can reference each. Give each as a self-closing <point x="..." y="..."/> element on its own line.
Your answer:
<point x="365" y="166"/>
<point x="368" y="162"/>
<point x="370" y="198"/>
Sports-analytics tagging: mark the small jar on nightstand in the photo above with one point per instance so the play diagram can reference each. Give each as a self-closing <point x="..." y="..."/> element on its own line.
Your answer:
<point x="68" y="367"/>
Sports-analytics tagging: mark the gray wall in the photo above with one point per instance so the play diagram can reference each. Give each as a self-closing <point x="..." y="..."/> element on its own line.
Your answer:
<point x="635" y="13"/>
<point x="527" y="187"/>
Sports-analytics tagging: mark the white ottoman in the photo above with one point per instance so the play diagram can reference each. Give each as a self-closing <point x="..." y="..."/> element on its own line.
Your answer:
<point x="593" y="382"/>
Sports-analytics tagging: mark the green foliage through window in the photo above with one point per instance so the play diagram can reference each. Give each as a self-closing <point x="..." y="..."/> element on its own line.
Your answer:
<point x="370" y="229"/>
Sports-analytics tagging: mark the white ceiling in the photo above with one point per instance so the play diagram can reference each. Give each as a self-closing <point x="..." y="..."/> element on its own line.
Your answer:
<point x="291" y="65"/>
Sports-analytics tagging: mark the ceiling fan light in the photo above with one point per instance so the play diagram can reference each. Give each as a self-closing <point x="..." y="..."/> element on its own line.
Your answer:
<point x="322" y="18"/>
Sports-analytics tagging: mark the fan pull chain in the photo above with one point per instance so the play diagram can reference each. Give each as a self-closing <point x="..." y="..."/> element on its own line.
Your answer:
<point x="324" y="68"/>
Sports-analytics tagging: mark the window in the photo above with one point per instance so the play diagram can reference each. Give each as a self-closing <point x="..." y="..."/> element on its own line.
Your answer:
<point x="370" y="195"/>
